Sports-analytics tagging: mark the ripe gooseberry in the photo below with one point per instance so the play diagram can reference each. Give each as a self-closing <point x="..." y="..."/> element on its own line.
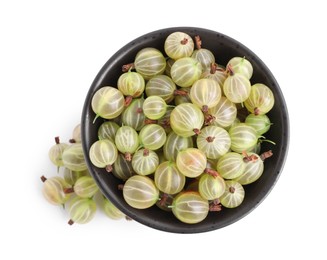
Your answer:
<point x="233" y="195"/>
<point x="140" y="192"/>
<point x="191" y="162"/>
<point x="73" y="157"/>
<point x="205" y="93"/>
<point x="211" y="187"/>
<point x="81" y="210"/>
<point x="236" y="87"/>
<point x="178" y="45"/>
<point x="189" y="207"/>
<point x="186" y="119"/>
<point x="107" y="102"/>
<point x="127" y="141"/>
<point x="145" y="162"/>
<point x="152" y="137"/>
<point x="261" y="99"/>
<point x="214" y="141"/>
<point x="53" y="190"/>
<point x="56" y="151"/>
<point x="168" y="178"/>
<point x="103" y="153"/>
<point x="149" y="62"/>
<point x="185" y="71"/>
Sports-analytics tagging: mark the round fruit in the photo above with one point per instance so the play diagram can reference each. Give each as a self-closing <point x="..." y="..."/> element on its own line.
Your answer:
<point x="189" y="207"/>
<point x="103" y="153"/>
<point x="178" y="45"/>
<point x="191" y="162"/>
<point x="214" y="141"/>
<point x="185" y="71"/>
<point x="233" y="195"/>
<point x="149" y="62"/>
<point x="140" y="192"/>
<point x="261" y="99"/>
<point x="73" y="158"/>
<point x="211" y="187"/>
<point x="107" y="102"/>
<point x="168" y="178"/>
<point x="186" y="119"/>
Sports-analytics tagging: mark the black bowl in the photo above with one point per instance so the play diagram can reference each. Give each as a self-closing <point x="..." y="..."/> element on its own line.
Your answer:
<point x="223" y="48"/>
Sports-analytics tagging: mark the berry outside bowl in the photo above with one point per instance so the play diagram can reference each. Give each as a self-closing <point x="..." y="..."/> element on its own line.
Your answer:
<point x="224" y="48"/>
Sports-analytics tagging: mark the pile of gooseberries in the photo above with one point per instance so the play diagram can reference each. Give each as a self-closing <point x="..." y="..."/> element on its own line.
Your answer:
<point x="72" y="187"/>
<point x="171" y="129"/>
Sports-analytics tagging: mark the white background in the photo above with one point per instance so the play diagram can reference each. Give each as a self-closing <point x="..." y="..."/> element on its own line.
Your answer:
<point x="50" y="52"/>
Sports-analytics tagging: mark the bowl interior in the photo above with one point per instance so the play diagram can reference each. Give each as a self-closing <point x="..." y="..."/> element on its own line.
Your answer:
<point x="224" y="48"/>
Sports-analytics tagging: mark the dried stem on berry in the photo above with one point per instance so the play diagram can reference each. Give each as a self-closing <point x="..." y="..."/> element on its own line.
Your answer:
<point x="184" y="41"/>
<point x="266" y="155"/>
<point x="197" y="131"/>
<point x="163" y="199"/>
<point x="249" y="158"/>
<point x="43" y="178"/>
<point x="109" y="168"/>
<point x="128" y="157"/>
<point x="198" y="42"/>
<point x="70" y="222"/>
<point x="205" y="109"/>
<point x="128" y="100"/>
<point x="215" y="205"/>
<point x="146" y="152"/>
<point x="179" y="92"/>
<point x="57" y="140"/>
<point x="209" y="119"/>
<point x="211" y="172"/>
<point x="256" y="111"/>
<point x="230" y="70"/>
<point x="68" y="190"/>
<point x="120" y="186"/>
<point x="127" y="67"/>
<point x="231" y="189"/>
<point x="210" y="139"/>
<point x="148" y="121"/>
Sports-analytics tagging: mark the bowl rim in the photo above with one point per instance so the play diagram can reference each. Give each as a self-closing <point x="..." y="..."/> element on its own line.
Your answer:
<point x="152" y="222"/>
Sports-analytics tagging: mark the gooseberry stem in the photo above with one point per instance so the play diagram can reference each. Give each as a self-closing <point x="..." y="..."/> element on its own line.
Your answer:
<point x="184" y="41"/>
<point x="230" y="70"/>
<point x="215" y="205"/>
<point x="70" y="222"/>
<point x="57" y="140"/>
<point x="43" y="178"/>
<point x="205" y="109"/>
<point x="163" y="199"/>
<point x="198" y="42"/>
<point x="197" y="131"/>
<point x="249" y="158"/>
<point x="266" y="155"/>
<point x="211" y="172"/>
<point x="128" y="100"/>
<point x="210" y="139"/>
<point x="231" y="189"/>
<point x="69" y="190"/>
<point x="213" y="68"/>
<point x="179" y="92"/>
<point x="146" y="152"/>
<point x="209" y="119"/>
<point x="127" y="67"/>
<point x="148" y="121"/>
<point x="109" y="168"/>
